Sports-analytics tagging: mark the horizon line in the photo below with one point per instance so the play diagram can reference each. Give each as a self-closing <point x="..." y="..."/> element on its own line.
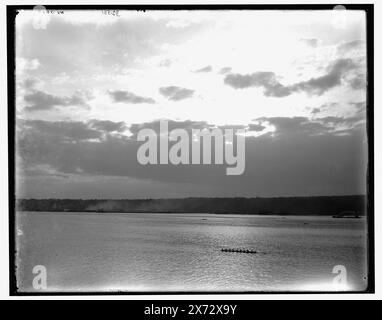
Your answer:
<point x="196" y="197"/>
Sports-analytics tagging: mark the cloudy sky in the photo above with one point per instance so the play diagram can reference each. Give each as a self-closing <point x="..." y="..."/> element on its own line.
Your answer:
<point x="87" y="82"/>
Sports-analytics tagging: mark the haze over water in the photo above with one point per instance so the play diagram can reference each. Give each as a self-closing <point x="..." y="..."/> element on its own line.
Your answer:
<point x="182" y="252"/>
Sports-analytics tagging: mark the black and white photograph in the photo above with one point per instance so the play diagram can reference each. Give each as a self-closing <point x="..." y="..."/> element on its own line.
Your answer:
<point x="198" y="149"/>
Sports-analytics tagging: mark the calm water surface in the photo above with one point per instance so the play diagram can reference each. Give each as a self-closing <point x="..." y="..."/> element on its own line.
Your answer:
<point x="182" y="252"/>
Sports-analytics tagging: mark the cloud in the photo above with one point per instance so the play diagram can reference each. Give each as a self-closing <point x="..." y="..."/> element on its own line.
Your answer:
<point x="165" y="63"/>
<point x="333" y="78"/>
<point x="128" y="97"/>
<point x="205" y="69"/>
<point x="266" y="80"/>
<point x="358" y="82"/>
<point x="89" y="47"/>
<point x="273" y="88"/>
<point x="23" y="65"/>
<point x="312" y="154"/>
<point x="187" y="125"/>
<point x="310" y="42"/>
<point x="29" y="83"/>
<point x="43" y="171"/>
<point x="325" y="107"/>
<point x="232" y="126"/>
<point x="255" y="127"/>
<point x="176" y="93"/>
<point x="360" y="106"/>
<point x="350" y="45"/>
<point x="225" y="70"/>
<point x="107" y="125"/>
<point x="302" y="157"/>
<point x="297" y="126"/>
<point x="294" y="126"/>
<point x="64" y="131"/>
<point x="178" y="23"/>
<point x="350" y="122"/>
<point x="38" y="100"/>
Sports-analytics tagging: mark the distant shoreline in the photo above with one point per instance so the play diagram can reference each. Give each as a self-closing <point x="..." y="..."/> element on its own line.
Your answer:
<point x="189" y="213"/>
<point x="336" y="206"/>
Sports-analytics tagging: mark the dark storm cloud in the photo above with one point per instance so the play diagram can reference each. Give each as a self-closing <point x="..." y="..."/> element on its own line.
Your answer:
<point x="107" y="125"/>
<point x="175" y="93"/>
<point x="61" y="130"/>
<point x="295" y="126"/>
<point x="296" y="163"/>
<point x="310" y="42"/>
<point x="187" y="125"/>
<point x="303" y="157"/>
<point x="255" y="127"/>
<point x="205" y="69"/>
<point x="129" y="97"/>
<point x="348" y="121"/>
<point x="273" y="88"/>
<point x="43" y="171"/>
<point x="38" y="100"/>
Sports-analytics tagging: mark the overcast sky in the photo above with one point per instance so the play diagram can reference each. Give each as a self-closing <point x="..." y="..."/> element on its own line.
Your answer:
<point x="87" y="82"/>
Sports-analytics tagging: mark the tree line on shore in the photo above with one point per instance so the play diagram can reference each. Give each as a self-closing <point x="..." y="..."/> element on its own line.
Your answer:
<point x="322" y="205"/>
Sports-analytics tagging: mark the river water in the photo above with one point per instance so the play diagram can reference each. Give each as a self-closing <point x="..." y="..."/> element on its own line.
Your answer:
<point x="182" y="252"/>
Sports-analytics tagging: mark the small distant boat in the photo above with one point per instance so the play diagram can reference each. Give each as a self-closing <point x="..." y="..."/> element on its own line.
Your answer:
<point x="239" y="250"/>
